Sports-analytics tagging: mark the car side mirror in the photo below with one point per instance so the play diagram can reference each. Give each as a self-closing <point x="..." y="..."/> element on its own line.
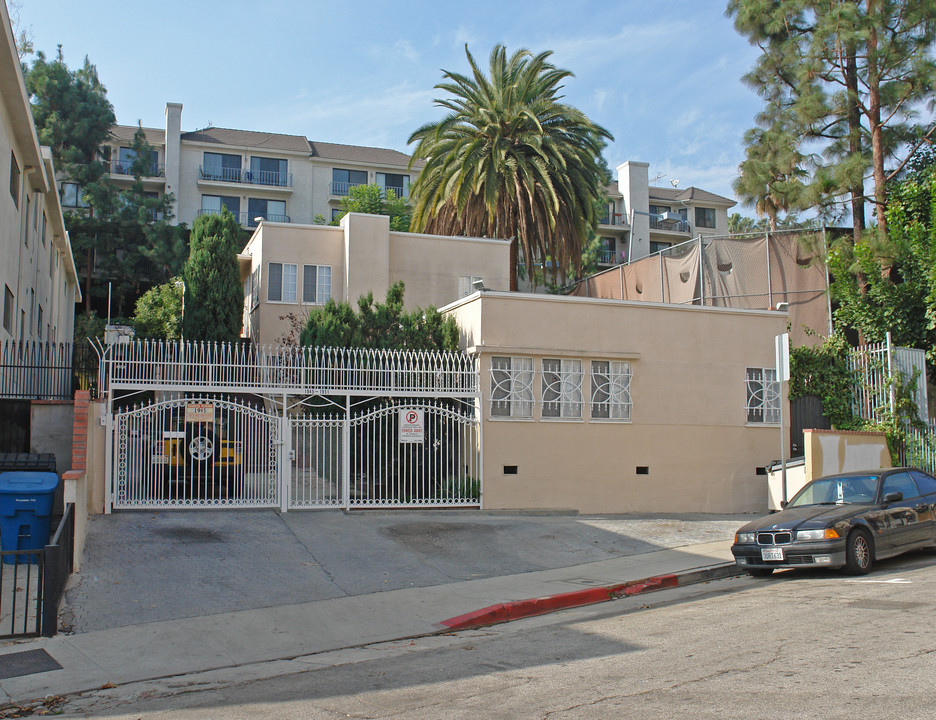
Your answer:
<point x="783" y="504"/>
<point x="893" y="497"/>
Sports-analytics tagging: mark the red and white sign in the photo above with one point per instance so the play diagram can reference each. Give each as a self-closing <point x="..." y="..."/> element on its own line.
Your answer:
<point x="199" y="412"/>
<point x="412" y="426"/>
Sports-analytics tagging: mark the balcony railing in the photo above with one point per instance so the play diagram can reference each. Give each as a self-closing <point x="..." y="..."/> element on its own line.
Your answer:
<point x="115" y="167"/>
<point x="341" y="189"/>
<point x="681" y="226"/>
<point x="615" y="219"/>
<point x="247" y="177"/>
<point x="247" y="219"/>
<point x="611" y="257"/>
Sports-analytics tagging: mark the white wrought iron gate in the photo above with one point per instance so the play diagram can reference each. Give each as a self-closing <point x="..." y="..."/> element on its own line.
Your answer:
<point x="195" y="452"/>
<point x="403" y="452"/>
<point x="336" y="428"/>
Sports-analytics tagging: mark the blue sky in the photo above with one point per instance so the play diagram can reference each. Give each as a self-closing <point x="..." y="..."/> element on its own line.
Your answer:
<point x="663" y="76"/>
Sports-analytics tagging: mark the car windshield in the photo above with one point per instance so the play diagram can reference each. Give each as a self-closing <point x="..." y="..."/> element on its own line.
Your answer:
<point x="837" y="491"/>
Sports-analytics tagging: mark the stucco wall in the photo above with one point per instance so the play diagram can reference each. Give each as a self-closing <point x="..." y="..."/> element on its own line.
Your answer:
<point x="834" y="451"/>
<point x="688" y="431"/>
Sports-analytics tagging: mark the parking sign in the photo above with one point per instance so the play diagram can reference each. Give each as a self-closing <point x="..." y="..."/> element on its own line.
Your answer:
<point x="412" y="427"/>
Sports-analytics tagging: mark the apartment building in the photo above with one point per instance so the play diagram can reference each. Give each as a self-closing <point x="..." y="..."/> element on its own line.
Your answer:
<point x="37" y="273"/>
<point x="643" y="219"/>
<point x="256" y="175"/>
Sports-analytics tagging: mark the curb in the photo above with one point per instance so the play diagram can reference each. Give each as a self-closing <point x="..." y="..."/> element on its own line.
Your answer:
<point x="518" y="609"/>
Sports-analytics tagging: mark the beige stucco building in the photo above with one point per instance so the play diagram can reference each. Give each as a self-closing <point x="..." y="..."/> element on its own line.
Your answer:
<point x="607" y="406"/>
<point x="37" y="274"/>
<point x="274" y="176"/>
<point x="290" y="269"/>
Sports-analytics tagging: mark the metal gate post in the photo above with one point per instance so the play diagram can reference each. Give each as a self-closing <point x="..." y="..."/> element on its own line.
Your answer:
<point x="108" y="456"/>
<point x="284" y="469"/>
<point x="346" y="454"/>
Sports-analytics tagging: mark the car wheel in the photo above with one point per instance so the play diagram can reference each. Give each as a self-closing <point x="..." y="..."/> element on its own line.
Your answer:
<point x="201" y="448"/>
<point x="760" y="572"/>
<point x="859" y="553"/>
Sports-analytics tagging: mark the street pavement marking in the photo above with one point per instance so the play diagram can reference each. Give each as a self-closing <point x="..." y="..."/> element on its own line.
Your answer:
<point x="893" y="581"/>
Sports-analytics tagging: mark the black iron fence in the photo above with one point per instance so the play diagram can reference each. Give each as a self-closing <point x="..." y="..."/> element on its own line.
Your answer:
<point x="34" y="370"/>
<point x="32" y="583"/>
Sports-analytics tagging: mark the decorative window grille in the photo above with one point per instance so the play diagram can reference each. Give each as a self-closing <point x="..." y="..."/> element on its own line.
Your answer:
<point x="562" y="388"/>
<point x="465" y="284"/>
<point x="512" y="387"/>
<point x="255" y="288"/>
<point x="763" y="396"/>
<point x="610" y="390"/>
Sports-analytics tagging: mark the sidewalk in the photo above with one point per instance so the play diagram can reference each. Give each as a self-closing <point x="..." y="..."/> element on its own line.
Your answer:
<point x="234" y="639"/>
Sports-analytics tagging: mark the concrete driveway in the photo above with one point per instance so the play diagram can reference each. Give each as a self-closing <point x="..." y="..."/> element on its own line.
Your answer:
<point x="142" y="567"/>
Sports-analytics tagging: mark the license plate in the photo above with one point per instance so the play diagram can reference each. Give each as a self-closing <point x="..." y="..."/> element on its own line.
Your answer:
<point x="771" y="553"/>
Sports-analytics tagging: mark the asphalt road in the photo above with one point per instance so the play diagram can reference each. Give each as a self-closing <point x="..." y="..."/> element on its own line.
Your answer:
<point x="799" y="645"/>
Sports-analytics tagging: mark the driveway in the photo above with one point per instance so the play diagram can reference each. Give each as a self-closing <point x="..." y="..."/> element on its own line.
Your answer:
<point x="142" y="567"/>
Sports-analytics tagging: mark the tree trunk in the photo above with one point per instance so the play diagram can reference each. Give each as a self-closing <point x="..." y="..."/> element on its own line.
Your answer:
<point x="874" y="122"/>
<point x="513" y="263"/>
<point x="854" y="141"/>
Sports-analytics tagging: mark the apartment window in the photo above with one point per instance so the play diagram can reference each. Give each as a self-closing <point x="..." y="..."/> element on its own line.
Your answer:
<point x="272" y="210"/>
<point x="610" y="390"/>
<point x="562" y="388"/>
<point x="267" y="171"/>
<point x="212" y="204"/>
<point x="72" y="196"/>
<point x="343" y="180"/>
<point x="126" y="157"/>
<point x="39" y="325"/>
<point x="220" y="166"/>
<point x="512" y="387"/>
<point x="705" y="217"/>
<point x="659" y="209"/>
<point x="254" y="288"/>
<point x="763" y="395"/>
<point x="281" y="282"/>
<point x="316" y="284"/>
<point x="656" y="246"/>
<point x="466" y="284"/>
<point x="8" y="309"/>
<point x="337" y="214"/>
<point x="42" y="232"/>
<point x="392" y="181"/>
<point x="14" y="179"/>
<point x="28" y="204"/>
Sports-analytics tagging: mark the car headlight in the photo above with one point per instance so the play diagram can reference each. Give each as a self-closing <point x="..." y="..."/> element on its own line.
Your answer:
<point x="821" y="534"/>
<point x="744" y="537"/>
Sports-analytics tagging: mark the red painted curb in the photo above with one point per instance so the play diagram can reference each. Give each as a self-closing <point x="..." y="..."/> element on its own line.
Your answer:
<point x="516" y="609"/>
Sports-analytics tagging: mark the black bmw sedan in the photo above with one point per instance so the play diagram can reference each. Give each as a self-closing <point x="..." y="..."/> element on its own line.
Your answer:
<point x="843" y="521"/>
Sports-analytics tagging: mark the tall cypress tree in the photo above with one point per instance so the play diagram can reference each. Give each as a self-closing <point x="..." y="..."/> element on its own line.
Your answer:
<point x="214" y="298"/>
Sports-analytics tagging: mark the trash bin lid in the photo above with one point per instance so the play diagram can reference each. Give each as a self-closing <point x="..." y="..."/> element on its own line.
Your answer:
<point x="26" y="481"/>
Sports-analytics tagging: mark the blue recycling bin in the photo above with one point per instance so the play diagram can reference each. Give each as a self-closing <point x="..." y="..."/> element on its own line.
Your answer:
<point x="25" y="512"/>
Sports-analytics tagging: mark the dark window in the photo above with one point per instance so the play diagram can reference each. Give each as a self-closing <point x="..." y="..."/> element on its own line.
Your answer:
<point x="7" y="309"/>
<point x="900" y="482"/>
<point x="393" y="181"/>
<point x="14" y="179"/>
<point x="926" y="483"/>
<point x="219" y="166"/>
<point x="705" y="217"/>
<point x="271" y="210"/>
<point x="267" y="171"/>
<point x="214" y="203"/>
<point x="343" y="180"/>
<point x="337" y="214"/>
<point x="275" y="281"/>
<point x="127" y="156"/>
<point x="659" y="209"/>
<point x="72" y="196"/>
<point x="656" y="247"/>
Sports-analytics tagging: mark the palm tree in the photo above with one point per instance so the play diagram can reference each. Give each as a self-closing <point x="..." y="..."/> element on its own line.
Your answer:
<point x="510" y="160"/>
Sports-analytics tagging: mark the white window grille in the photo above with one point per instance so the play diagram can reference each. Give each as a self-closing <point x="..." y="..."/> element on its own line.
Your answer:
<point x="562" y="388"/>
<point x="255" y="288"/>
<point x="316" y="284"/>
<point x="763" y="396"/>
<point x="466" y="284"/>
<point x="512" y="387"/>
<point x="610" y="390"/>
